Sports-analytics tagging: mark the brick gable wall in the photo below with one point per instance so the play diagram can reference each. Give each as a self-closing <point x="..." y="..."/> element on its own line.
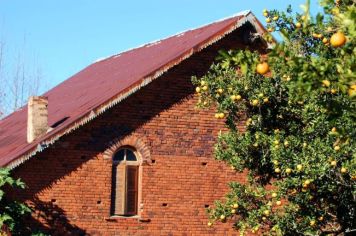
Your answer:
<point x="69" y="183"/>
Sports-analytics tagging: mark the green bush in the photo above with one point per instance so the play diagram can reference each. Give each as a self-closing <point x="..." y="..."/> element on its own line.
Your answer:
<point x="11" y="212"/>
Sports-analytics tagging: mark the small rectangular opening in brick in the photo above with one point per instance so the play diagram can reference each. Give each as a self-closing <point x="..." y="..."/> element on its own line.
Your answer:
<point x="53" y="200"/>
<point x="153" y="161"/>
<point x="204" y="163"/>
<point x="98" y="202"/>
<point x="206" y="205"/>
<point x="164" y="204"/>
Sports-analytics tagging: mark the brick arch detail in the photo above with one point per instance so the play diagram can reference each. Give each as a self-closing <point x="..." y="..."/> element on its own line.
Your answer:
<point x="132" y="141"/>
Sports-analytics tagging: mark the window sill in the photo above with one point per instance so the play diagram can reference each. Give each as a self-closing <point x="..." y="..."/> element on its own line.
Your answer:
<point x="138" y="218"/>
<point x="123" y="217"/>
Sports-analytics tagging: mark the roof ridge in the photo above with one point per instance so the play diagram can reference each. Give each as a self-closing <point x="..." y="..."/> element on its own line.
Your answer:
<point x="179" y="33"/>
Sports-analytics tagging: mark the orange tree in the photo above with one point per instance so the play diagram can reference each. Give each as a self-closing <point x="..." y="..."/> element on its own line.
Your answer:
<point x="298" y="146"/>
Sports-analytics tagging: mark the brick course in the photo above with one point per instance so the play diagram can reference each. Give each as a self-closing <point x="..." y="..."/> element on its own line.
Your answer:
<point x="70" y="182"/>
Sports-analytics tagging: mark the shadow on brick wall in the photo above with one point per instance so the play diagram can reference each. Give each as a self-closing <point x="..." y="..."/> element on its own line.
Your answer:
<point x="73" y="151"/>
<point x="48" y="219"/>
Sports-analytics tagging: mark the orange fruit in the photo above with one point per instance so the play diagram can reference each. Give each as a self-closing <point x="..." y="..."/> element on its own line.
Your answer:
<point x="298" y="25"/>
<point x="352" y="90"/>
<point x="326" y="83"/>
<point x="312" y="222"/>
<point x="262" y="68"/>
<point x="254" y="102"/>
<point x="337" y="40"/>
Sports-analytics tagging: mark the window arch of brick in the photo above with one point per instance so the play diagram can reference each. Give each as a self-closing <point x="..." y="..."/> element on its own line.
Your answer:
<point x="131" y="141"/>
<point x="127" y="157"/>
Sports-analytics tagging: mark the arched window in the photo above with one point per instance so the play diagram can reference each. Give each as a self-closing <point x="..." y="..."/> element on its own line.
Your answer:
<point x="125" y="182"/>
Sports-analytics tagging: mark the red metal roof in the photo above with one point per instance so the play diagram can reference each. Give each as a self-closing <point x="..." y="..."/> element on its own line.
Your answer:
<point x="105" y="83"/>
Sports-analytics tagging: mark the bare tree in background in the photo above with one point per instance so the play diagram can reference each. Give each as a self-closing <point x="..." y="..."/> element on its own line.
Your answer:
<point x="2" y="82"/>
<point x="19" y="79"/>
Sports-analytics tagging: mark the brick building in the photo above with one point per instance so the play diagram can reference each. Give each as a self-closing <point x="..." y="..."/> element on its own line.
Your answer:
<point x="120" y="149"/>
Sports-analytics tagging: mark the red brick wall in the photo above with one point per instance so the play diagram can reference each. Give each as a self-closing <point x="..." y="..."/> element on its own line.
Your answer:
<point x="70" y="183"/>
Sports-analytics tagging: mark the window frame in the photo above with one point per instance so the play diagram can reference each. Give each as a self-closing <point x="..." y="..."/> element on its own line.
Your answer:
<point x="115" y="190"/>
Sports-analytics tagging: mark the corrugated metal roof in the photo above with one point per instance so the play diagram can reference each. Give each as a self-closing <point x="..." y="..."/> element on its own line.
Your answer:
<point x="105" y="83"/>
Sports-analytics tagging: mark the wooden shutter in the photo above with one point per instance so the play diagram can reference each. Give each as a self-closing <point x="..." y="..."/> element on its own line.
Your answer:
<point x="132" y="190"/>
<point x="119" y="189"/>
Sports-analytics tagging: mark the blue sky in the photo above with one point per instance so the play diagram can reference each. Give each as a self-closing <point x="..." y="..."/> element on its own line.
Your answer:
<point x="65" y="36"/>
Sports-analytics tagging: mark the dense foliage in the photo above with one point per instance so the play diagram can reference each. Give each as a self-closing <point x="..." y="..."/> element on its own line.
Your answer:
<point x="11" y="212"/>
<point x="298" y="103"/>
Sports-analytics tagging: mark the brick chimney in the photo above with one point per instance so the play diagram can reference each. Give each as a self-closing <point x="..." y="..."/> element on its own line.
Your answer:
<point x="37" y="120"/>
